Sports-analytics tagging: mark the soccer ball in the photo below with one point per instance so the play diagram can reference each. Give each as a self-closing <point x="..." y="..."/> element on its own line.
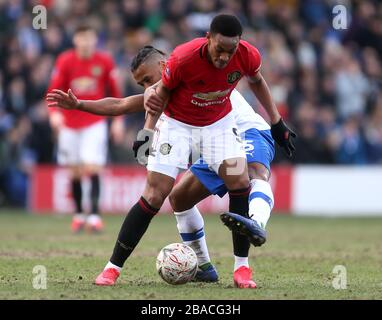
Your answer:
<point x="177" y="263"/>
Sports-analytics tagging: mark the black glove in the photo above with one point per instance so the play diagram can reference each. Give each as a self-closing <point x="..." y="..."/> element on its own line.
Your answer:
<point x="283" y="136"/>
<point x="142" y="146"/>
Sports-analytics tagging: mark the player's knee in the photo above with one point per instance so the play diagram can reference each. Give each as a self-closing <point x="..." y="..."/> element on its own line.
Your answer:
<point x="155" y="198"/>
<point x="179" y="203"/>
<point x="158" y="187"/>
<point x="76" y="172"/>
<point x="261" y="176"/>
<point x="258" y="171"/>
<point x="175" y="202"/>
<point x="91" y="169"/>
<point x="155" y="193"/>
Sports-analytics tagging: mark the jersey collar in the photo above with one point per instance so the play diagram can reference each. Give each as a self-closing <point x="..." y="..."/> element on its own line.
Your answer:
<point x="203" y="50"/>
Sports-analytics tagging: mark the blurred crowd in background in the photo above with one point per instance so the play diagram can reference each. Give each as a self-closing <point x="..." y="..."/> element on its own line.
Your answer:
<point x="326" y="82"/>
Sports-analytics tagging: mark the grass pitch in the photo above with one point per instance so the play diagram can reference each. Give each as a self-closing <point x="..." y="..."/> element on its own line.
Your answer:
<point x="296" y="263"/>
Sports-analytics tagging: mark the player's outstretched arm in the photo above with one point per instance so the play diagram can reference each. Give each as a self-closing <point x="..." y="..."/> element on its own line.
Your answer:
<point x="280" y="131"/>
<point x="105" y="107"/>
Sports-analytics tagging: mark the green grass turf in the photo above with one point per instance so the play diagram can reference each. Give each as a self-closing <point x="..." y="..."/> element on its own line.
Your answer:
<point x="295" y="263"/>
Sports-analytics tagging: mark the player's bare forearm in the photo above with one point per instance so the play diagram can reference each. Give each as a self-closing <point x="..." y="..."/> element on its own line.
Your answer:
<point x="112" y="106"/>
<point x="151" y="121"/>
<point x="261" y="90"/>
<point x="104" y="107"/>
<point x="155" y="97"/>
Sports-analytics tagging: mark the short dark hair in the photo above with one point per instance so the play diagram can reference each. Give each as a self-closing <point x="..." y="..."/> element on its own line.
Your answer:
<point x="143" y="54"/>
<point x="227" y="25"/>
<point x="83" y="27"/>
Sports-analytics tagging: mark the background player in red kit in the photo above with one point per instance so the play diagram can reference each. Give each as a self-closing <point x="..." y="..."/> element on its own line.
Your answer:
<point x="82" y="137"/>
<point x="197" y="82"/>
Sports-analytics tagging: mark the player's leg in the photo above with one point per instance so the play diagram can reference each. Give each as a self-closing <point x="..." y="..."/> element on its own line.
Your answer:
<point x="93" y="155"/>
<point x="242" y="273"/>
<point x="223" y="151"/>
<point x="261" y="197"/>
<point x="94" y="221"/>
<point x="230" y="164"/>
<point x="158" y="187"/>
<point x="212" y="182"/>
<point x="242" y="224"/>
<point x="183" y="198"/>
<point x="187" y="192"/>
<point x="68" y="156"/>
<point x="262" y="151"/>
<point x="259" y="154"/>
<point x="225" y="154"/>
<point x="163" y="167"/>
<point x="79" y="218"/>
<point x="259" y="160"/>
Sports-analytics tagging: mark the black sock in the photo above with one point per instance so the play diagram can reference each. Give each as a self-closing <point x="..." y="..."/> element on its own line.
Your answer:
<point x="132" y="230"/>
<point x="77" y="194"/>
<point x="238" y="203"/>
<point x="94" y="193"/>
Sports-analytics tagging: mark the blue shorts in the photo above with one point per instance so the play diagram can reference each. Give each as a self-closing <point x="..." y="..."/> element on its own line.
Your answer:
<point x="259" y="147"/>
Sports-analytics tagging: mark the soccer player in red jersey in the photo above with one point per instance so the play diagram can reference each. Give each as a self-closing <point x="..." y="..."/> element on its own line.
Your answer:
<point x="82" y="137"/>
<point x="198" y="182"/>
<point x="196" y="84"/>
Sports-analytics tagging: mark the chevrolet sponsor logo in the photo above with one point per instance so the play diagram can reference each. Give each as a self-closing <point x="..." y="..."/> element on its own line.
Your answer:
<point x="211" y="95"/>
<point x="83" y="85"/>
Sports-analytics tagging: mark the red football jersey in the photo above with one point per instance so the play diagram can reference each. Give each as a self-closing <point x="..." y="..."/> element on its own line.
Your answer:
<point x="89" y="79"/>
<point x="199" y="91"/>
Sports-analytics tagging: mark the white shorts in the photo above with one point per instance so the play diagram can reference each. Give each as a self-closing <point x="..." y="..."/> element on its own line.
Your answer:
<point x="83" y="146"/>
<point x="177" y="144"/>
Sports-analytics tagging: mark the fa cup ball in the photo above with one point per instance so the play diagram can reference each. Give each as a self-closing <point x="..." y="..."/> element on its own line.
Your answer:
<point x="177" y="263"/>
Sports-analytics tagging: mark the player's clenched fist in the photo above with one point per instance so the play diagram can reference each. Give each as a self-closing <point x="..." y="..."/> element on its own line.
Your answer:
<point x="58" y="98"/>
<point x="153" y="103"/>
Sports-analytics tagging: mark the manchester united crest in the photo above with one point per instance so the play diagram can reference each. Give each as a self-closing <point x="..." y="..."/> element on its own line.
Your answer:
<point x="233" y="77"/>
<point x="165" y="148"/>
<point x="96" y="71"/>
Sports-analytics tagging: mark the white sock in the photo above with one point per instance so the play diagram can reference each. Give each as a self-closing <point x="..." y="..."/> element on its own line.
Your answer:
<point x="111" y="265"/>
<point x="190" y="225"/>
<point x="260" y="201"/>
<point x="240" y="261"/>
<point x="93" y="219"/>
